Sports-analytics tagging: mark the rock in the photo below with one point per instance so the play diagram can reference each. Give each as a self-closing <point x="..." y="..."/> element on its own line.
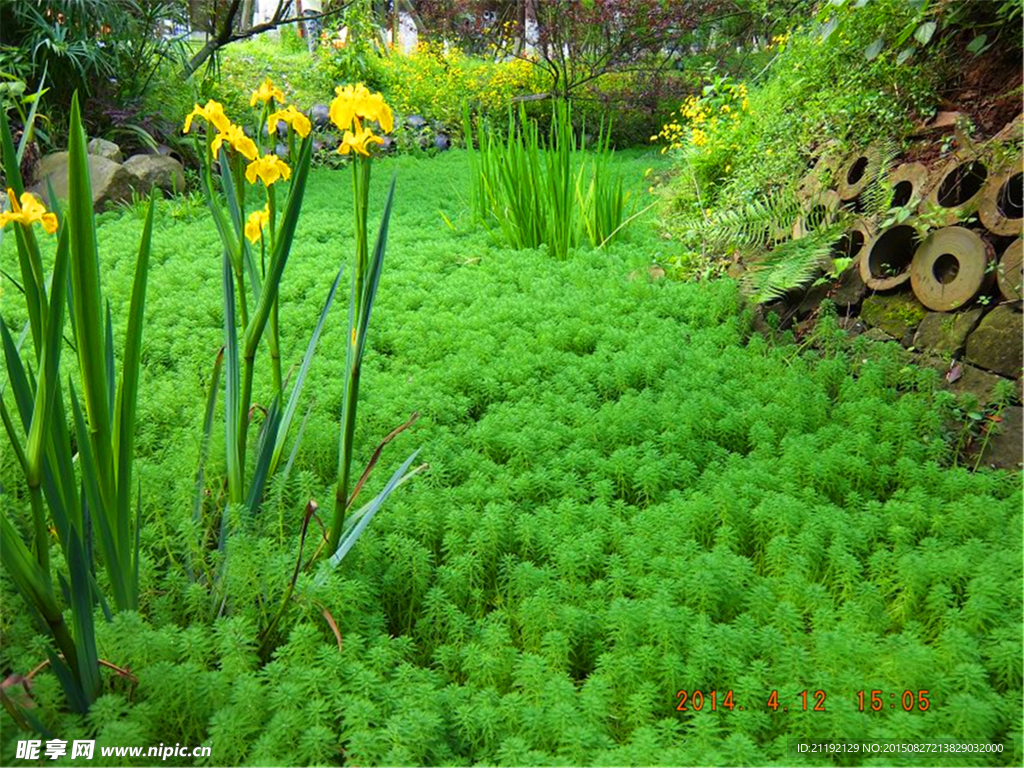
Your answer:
<point x="944" y="121"/>
<point x="942" y="332"/>
<point x="850" y="289"/>
<point x="320" y="115"/>
<point x="1003" y="450"/>
<point x="811" y="299"/>
<point x="110" y="181"/>
<point x="415" y="122"/>
<point x="996" y="344"/>
<point x="976" y="381"/>
<point x="281" y="150"/>
<point x="877" y="334"/>
<point x="883" y="346"/>
<point x="853" y="326"/>
<point x="159" y="171"/>
<point x="107" y="149"/>
<point x="163" y="149"/>
<point x="442" y="142"/>
<point x="281" y="129"/>
<point x="897" y="314"/>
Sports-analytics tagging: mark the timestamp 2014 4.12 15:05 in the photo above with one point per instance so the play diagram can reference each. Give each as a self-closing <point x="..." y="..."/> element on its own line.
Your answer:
<point x="804" y="701"/>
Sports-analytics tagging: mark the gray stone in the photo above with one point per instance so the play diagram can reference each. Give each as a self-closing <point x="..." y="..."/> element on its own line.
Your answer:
<point x="976" y="381"/>
<point x="415" y="121"/>
<point x="897" y="314"/>
<point x="811" y="299"/>
<point x="996" y="344"/>
<point x="320" y="115"/>
<point x="442" y="143"/>
<point x="877" y="334"/>
<point x="1003" y="450"/>
<point x="158" y="171"/>
<point x="853" y="326"/>
<point x="110" y="181"/>
<point x="946" y="332"/>
<point x="850" y="288"/>
<point x="107" y="149"/>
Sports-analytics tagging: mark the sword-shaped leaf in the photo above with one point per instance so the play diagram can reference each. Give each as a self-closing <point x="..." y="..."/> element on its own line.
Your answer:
<point x="300" y="379"/>
<point x="282" y="247"/>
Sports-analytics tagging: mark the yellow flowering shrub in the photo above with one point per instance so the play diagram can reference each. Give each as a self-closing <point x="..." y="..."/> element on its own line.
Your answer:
<point x="702" y="119"/>
<point x="434" y="80"/>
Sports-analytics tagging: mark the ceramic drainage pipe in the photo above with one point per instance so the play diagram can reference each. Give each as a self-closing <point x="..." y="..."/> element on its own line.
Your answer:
<point x="910" y="184"/>
<point x="1010" y="272"/>
<point x="950" y="268"/>
<point x="958" y="188"/>
<point x="886" y="261"/>
<point x="1001" y="208"/>
<point x="818" y="210"/>
<point x="857" y="172"/>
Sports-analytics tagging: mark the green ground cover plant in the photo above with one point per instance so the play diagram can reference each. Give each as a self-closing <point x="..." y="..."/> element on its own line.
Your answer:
<point x="629" y="495"/>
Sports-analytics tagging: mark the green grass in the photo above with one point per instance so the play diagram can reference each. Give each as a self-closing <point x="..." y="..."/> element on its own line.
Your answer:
<point x="629" y="496"/>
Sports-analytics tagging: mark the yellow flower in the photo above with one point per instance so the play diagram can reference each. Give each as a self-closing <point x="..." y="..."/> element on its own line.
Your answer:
<point x="298" y="121"/>
<point x="268" y="168"/>
<point x="265" y="93"/>
<point x="358" y="140"/>
<point x="257" y="221"/>
<point x="236" y="137"/>
<point x="29" y="212"/>
<point x="356" y="102"/>
<point x="213" y="113"/>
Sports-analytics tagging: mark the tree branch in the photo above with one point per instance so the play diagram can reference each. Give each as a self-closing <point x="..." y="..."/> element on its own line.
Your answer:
<point x="228" y="34"/>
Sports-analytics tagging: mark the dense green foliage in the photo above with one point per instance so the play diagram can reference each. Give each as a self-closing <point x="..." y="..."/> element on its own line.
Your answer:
<point x="530" y="190"/>
<point x="629" y="495"/>
<point x="110" y="51"/>
<point x="848" y="76"/>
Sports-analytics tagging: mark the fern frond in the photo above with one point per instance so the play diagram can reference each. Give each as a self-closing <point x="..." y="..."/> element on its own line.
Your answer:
<point x="754" y="224"/>
<point x="877" y="196"/>
<point x="790" y="264"/>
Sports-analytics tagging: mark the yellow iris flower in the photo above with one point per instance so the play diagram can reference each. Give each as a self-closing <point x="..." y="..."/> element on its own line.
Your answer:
<point x="358" y="141"/>
<point x="28" y="212"/>
<point x="356" y="102"/>
<point x="256" y="223"/>
<point x="265" y="93"/>
<point x="268" y="168"/>
<point x="236" y="137"/>
<point x="213" y="113"/>
<point x="298" y="121"/>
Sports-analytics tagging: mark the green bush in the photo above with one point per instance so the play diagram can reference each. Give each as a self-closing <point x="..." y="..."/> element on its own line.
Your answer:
<point x="820" y="88"/>
<point x="250" y="61"/>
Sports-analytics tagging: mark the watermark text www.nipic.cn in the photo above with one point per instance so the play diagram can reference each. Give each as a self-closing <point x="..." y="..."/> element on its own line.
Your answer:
<point x="54" y="748"/>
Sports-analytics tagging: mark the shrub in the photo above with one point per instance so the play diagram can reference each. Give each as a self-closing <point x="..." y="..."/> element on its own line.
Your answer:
<point x="242" y="63"/>
<point x="434" y="81"/>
